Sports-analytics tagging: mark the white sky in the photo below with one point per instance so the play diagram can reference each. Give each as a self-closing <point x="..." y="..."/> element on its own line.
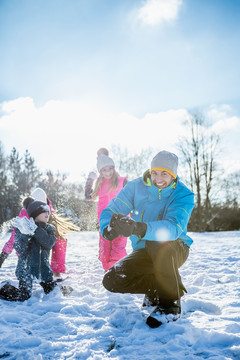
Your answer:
<point x="79" y="75"/>
<point x="65" y="136"/>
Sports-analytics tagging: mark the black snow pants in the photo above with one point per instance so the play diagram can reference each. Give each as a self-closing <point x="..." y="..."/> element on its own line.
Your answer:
<point x="152" y="271"/>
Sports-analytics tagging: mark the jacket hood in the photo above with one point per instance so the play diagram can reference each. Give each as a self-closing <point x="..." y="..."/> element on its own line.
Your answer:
<point x="147" y="178"/>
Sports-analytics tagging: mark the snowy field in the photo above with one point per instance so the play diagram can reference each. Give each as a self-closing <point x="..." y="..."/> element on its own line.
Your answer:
<point x="92" y="323"/>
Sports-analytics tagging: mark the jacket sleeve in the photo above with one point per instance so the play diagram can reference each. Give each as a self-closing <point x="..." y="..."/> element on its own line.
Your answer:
<point x="88" y="189"/>
<point x="89" y="185"/>
<point x="174" y="221"/>
<point x="45" y="235"/>
<point x="21" y="242"/>
<point x="9" y="245"/>
<point x="122" y="203"/>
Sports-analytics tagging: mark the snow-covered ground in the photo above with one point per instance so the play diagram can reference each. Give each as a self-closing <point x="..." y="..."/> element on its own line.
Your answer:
<point x="92" y="323"/>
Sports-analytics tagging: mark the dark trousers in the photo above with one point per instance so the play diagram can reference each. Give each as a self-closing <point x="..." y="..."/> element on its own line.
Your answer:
<point x="152" y="271"/>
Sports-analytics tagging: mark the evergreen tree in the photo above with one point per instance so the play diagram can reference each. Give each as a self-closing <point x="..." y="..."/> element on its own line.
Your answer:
<point x="14" y="178"/>
<point x="29" y="175"/>
<point x="3" y="185"/>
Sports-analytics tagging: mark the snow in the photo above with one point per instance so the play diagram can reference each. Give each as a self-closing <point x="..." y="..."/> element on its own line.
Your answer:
<point x="92" y="323"/>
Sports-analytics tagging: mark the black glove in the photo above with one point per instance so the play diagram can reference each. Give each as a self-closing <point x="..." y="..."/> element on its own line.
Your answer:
<point x="41" y="224"/>
<point x="122" y="225"/>
<point x="3" y="257"/>
<point x="51" y="229"/>
<point x="112" y="230"/>
<point x="109" y="234"/>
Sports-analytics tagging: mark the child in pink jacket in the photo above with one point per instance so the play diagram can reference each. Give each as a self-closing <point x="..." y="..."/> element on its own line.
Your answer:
<point x="59" y="249"/>
<point x="107" y="186"/>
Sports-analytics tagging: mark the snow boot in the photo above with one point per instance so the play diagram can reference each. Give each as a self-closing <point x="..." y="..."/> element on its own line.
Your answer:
<point x="151" y="299"/>
<point x="9" y="292"/>
<point x="48" y="286"/>
<point x="165" y="312"/>
<point x="148" y="302"/>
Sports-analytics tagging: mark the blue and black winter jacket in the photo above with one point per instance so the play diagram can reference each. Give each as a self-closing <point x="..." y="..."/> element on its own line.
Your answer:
<point x="33" y="253"/>
<point x="166" y="212"/>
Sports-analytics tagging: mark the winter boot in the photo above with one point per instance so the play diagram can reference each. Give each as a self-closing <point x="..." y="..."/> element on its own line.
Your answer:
<point x="170" y="307"/>
<point x="25" y="291"/>
<point x="9" y="292"/>
<point x="48" y="286"/>
<point x="165" y="312"/>
<point x="149" y="301"/>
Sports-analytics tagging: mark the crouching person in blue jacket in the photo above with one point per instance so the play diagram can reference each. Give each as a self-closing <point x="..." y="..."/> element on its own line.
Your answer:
<point x="160" y="206"/>
<point x="34" y="239"/>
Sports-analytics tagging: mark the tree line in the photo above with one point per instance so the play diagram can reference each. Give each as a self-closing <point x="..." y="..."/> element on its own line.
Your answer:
<point x="217" y="196"/>
<point x="217" y="193"/>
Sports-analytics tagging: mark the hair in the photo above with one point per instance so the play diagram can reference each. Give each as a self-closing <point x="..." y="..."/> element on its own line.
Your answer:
<point x="113" y="185"/>
<point x="62" y="224"/>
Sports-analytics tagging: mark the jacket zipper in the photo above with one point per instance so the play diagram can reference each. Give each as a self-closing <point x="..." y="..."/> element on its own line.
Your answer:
<point x="159" y="194"/>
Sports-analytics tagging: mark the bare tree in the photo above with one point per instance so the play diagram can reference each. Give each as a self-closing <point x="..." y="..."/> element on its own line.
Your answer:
<point x="231" y="194"/>
<point x="54" y="186"/>
<point x="131" y="166"/>
<point x="199" y="151"/>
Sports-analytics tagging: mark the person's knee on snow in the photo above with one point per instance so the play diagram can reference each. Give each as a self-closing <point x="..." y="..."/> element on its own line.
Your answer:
<point x="165" y="262"/>
<point x="109" y="280"/>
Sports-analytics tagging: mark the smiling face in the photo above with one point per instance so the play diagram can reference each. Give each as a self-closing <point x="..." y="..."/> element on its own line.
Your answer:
<point x="161" y="179"/>
<point x="107" y="172"/>
<point x="43" y="217"/>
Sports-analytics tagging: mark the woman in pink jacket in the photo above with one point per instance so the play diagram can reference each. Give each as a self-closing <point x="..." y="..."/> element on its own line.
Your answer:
<point x="107" y="186"/>
<point x="61" y="224"/>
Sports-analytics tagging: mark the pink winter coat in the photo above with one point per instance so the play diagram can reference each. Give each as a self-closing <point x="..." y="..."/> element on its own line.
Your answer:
<point x="110" y="251"/>
<point x="104" y="196"/>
